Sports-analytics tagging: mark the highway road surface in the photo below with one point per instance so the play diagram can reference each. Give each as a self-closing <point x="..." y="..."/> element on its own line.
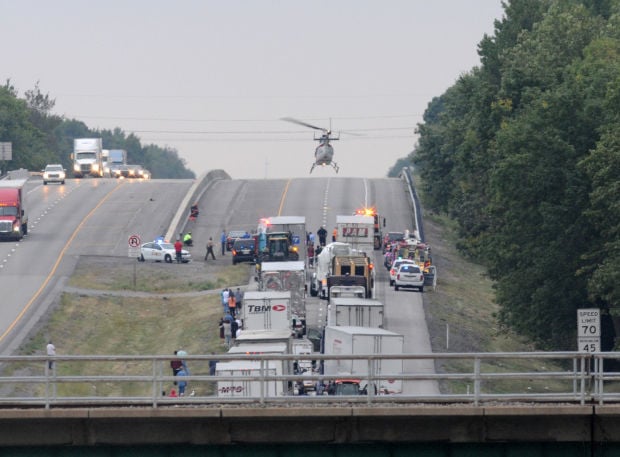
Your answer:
<point x="97" y="216"/>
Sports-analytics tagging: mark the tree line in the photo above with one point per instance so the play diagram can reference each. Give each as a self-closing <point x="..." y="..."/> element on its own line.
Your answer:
<point x="523" y="152"/>
<point x="39" y="137"/>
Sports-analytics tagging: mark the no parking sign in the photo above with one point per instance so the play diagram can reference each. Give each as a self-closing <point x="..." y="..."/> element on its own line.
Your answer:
<point x="134" y="245"/>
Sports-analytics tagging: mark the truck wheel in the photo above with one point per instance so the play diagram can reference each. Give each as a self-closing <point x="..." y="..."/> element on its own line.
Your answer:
<point x="421" y="289"/>
<point x="168" y="258"/>
<point x="63" y="181"/>
<point x="395" y="287"/>
<point x="45" y="183"/>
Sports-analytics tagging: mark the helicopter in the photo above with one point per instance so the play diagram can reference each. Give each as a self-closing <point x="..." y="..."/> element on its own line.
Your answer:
<point x="324" y="152"/>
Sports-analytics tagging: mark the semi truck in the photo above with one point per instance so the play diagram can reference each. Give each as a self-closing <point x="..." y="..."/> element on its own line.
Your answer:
<point x="349" y="340"/>
<point x="323" y="267"/>
<point x="357" y="230"/>
<point x="287" y="277"/>
<point x="356" y="312"/>
<point x="353" y="266"/>
<point x="267" y="310"/>
<point x="13" y="214"/>
<point x="378" y="225"/>
<point x="87" y="157"/>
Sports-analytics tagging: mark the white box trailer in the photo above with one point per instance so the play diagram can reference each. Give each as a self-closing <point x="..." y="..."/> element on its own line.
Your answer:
<point x="303" y="347"/>
<point x="344" y="341"/>
<point x="264" y="337"/>
<point x="286" y="276"/>
<point x="356" y="312"/>
<point x="253" y="368"/>
<point x="247" y="388"/>
<point x="266" y="311"/>
<point x="358" y="231"/>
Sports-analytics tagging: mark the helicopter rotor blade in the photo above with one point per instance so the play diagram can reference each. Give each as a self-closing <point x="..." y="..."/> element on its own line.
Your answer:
<point x="305" y="124"/>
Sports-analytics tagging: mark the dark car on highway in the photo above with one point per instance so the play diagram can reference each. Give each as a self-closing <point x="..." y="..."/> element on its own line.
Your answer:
<point x="244" y="250"/>
<point x="233" y="235"/>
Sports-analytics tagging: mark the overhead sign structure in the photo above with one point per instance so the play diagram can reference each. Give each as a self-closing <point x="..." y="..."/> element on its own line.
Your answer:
<point x="589" y="330"/>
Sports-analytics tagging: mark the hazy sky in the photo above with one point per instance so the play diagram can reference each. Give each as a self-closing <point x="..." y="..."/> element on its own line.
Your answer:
<point x="212" y="79"/>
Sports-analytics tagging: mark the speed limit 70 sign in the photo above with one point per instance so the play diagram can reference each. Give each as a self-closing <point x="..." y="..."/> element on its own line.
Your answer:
<point x="589" y="330"/>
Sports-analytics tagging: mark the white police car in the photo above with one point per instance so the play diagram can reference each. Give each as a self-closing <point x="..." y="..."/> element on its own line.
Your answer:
<point x="161" y="251"/>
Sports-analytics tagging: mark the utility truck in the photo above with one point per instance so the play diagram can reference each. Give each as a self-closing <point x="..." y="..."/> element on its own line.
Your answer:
<point x="13" y="215"/>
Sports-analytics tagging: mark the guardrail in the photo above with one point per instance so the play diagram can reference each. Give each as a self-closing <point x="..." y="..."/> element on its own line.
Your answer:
<point x="470" y="378"/>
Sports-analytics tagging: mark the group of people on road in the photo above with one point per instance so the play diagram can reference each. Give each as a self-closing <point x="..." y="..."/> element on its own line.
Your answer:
<point x="230" y="324"/>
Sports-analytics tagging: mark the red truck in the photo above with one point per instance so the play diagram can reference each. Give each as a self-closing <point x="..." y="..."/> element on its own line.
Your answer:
<point x="13" y="216"/>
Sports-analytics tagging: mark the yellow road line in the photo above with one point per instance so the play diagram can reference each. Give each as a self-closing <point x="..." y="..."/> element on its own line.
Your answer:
<point x="55" y="267"/>
<point x="288" y="183"/>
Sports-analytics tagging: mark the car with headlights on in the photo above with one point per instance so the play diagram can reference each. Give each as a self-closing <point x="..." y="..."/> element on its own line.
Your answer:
<point x="161" y="252"/>
<point x="54" y="173"/>
<point x="409" y="275"/>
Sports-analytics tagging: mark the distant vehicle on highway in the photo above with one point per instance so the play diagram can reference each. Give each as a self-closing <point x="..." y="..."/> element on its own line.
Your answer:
<point x="409" y="275"/>
<point x="54" y="173"/>
<point x="119" y="171"/>
<point x="161" y="252"/>
<point x="394" y="269"/>
<point x="137" y="171"/>
<point x="233" y="235"/>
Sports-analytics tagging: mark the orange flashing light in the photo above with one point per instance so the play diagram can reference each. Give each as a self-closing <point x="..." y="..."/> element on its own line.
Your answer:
<point x="366" y="211"/>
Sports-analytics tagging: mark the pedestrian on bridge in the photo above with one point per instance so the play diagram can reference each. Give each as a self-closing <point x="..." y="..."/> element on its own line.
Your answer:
<point x="51" y="352"/>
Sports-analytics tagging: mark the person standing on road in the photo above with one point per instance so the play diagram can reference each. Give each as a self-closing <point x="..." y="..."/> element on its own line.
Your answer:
<point x="51" y="352"/>
<point x="227" y="332"/>
<point x="322" y="235"/>
<point x="334" y="234"/>
<point x="210" y="249"/>
<point x="178" y="249"/>
<point x="232" y="304"/>
<point x="223" y="241"/>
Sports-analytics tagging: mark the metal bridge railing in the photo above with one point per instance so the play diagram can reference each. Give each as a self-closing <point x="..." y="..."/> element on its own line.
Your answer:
<point x="471" y="378"/>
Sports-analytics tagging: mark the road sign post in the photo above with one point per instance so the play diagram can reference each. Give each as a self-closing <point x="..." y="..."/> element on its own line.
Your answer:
<point x="134" y="243"/>
<point x="589" y="330"/>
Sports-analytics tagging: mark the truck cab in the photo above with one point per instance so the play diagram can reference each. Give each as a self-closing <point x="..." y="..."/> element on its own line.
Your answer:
<point x="13" y="216"/>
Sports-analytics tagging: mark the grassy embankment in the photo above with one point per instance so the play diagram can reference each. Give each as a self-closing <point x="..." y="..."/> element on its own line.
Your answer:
<point x="108" y="324"/>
